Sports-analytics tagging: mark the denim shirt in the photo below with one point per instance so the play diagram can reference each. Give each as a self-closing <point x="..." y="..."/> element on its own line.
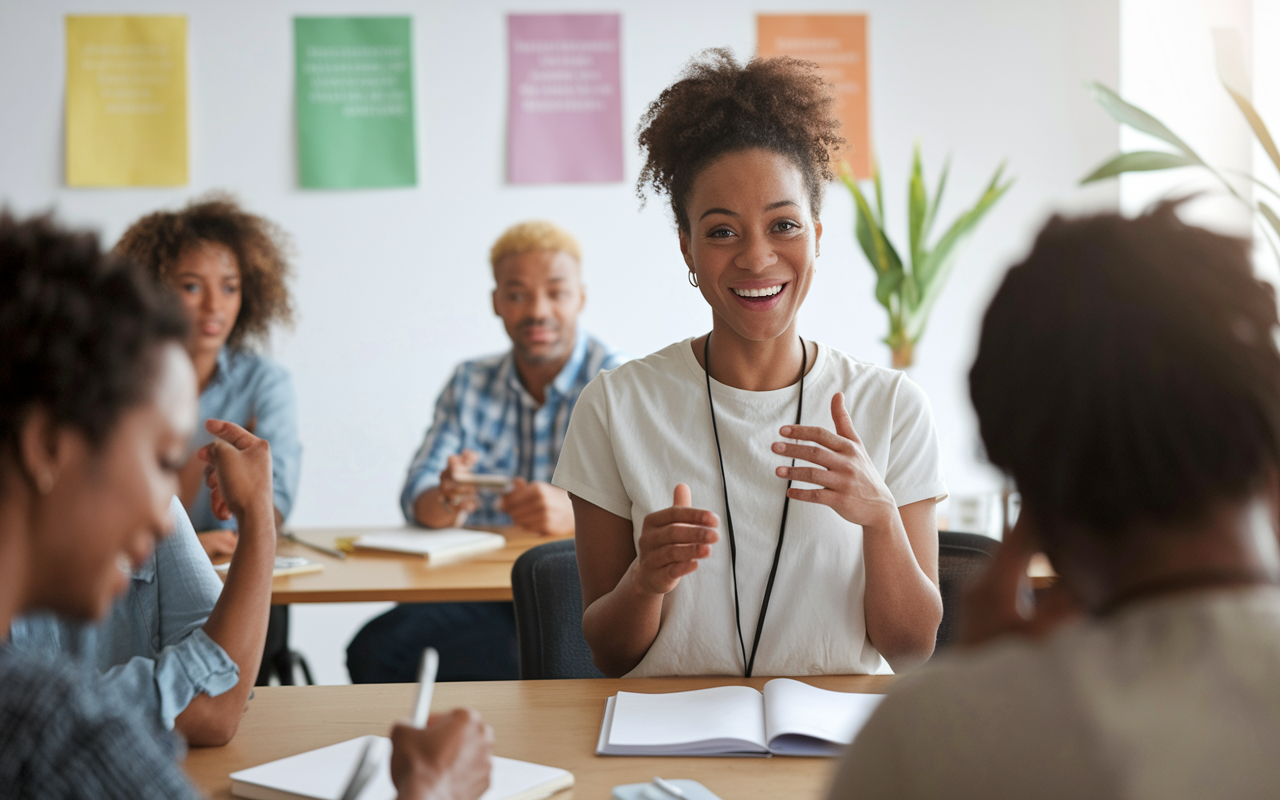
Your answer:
<point x="247" y="387"/>
<point x="486" y="408"/>
<point x="151" y="647"/>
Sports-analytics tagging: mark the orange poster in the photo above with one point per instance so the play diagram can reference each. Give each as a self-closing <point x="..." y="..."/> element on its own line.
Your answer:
<point x="838" y="44"/>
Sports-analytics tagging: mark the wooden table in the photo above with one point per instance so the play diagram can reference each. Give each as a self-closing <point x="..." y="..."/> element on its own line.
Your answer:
<point x="368" y="575"/>
<point x="548" y="722"/>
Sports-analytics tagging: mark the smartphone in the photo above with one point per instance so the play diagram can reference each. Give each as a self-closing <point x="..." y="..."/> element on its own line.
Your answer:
<point x="484" y="481"/>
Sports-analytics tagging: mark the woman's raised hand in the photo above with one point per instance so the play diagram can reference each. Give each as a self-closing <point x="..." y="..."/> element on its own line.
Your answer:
<point x="671" y="542"/>
<point x="852" y="486"/>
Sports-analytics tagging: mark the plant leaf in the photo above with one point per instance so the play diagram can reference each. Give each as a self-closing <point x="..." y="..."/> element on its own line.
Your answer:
<point x="1228" y="53"/>
<point x="1270" y="216"/>
<point x="887" y="284"/>
<point x="875" y="245"/>
<point x="938" y="264"/>
<point x="1129" y="114"/>
<point x="937" y="201"/>
<point x="879" y="195"/>
<point x="917" y="209"/>
<point x="1138" y="161"/>
<point x="1259" y="127"/>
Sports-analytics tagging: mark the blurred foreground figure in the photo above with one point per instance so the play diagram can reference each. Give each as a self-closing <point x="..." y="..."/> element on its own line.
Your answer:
<point x="97" y="406"/>
<point x="1128" y="380"/>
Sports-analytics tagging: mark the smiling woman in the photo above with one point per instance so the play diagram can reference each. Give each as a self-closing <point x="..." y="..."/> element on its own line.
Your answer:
<point x="683" y="466"/>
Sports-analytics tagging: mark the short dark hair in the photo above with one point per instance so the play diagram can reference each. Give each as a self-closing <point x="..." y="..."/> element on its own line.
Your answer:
<point x="1127" y="371"/>
<point x="717" y="107"/>
<point x="79" y="330"/>
<point x="159" y="240"/>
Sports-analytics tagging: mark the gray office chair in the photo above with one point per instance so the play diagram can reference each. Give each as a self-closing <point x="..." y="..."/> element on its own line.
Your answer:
<point x="548" y="600"/>
<point x="961" y="558"/>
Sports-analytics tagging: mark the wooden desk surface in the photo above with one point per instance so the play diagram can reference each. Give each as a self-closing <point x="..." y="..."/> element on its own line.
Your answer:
<point x="368" y="575"/>
<point x="548" y="722"/>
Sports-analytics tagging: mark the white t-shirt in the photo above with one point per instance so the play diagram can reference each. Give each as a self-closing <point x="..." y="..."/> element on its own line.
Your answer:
<point x="642" y="428"/>
<point x="1177" y="697"/>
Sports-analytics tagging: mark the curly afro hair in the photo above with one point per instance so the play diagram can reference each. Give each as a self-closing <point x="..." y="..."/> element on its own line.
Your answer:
<point x="1127" y="371"/>
<point x="718" y="107"/>
<point x="78" y="330"/>
<point x="158" y="241"/>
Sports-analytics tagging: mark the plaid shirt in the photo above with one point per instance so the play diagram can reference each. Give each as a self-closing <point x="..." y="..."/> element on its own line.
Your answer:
<point x="485" y="408"/>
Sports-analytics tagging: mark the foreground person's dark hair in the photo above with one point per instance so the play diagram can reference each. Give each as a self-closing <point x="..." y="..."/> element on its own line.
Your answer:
<point x="1127" y="371"/>
<point x="78" y="329"/>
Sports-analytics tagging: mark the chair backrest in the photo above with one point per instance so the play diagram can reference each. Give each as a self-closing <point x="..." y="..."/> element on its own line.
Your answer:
<point x="548" y="599"/>
<point x="961" y="558"/>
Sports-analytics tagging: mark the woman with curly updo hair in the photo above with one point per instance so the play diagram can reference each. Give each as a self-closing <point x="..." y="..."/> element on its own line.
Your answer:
<point x="228" y="267"/>
<point x="750" y="501"/>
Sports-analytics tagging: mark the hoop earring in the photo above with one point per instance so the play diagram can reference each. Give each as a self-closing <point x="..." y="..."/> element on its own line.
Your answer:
<point x="693" y="279"/>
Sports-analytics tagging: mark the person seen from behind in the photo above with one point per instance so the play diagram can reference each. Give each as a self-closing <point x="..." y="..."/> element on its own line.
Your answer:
<point x="1128" y="380"/>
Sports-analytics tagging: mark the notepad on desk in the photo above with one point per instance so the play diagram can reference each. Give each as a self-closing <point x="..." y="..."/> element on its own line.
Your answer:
<point x="285" y="565"/>
<point x="321" y="775"/>
<point x="789" y="718"/>
<point x="438" y="546"/>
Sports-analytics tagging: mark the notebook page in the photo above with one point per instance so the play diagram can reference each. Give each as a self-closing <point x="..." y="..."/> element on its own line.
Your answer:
<point x="322" y="775"/>
<point x="805" y="720"/>
<point x="725" y="718"/>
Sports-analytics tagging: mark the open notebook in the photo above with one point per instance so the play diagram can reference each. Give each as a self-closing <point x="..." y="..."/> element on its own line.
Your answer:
<point x="322" y="775"/>
<point x="789" y="718"/>
<point x="439" y="546"/>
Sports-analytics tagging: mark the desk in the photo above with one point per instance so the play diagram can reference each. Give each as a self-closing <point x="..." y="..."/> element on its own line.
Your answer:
<point x="548" y="722"/>
<point x="369" y="575"/>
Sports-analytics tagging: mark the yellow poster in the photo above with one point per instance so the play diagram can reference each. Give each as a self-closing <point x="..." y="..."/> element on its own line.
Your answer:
<point x="126" y="101"/>
<point x="838" y="44"/>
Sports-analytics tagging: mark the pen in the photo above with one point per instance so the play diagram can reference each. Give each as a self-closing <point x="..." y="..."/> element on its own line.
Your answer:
<point x="668" y="787"/>
<point x="426" y="686"/>
<point x="329" y="551"/>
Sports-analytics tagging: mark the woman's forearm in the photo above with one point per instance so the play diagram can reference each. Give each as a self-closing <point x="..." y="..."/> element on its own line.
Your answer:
<point x="238" y="624"/>
<point x="901" y="602"/>
<point x="621" y="625"/>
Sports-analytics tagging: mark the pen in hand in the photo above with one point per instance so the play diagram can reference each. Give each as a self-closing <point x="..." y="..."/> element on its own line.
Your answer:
<point x="426" y="686"/>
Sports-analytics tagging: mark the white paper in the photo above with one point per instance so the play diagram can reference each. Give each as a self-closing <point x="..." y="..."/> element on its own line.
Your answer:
<point x="323" y="774"/>
<point x="442" y="545"/>
<point x="721" y="719"/>
<point x="806" y="720"/>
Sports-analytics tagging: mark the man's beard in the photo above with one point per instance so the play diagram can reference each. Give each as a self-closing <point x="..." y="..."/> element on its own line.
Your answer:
<point x="554" y="353"/>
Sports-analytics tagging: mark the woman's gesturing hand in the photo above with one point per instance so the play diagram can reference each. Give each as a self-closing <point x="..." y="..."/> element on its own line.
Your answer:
<point x="237" y="471"/>
<point x="671" y="542"/>
<point x="851" y="484"/>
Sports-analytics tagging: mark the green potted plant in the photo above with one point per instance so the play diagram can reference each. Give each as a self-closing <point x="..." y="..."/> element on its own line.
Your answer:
<point x="908" y="288"/>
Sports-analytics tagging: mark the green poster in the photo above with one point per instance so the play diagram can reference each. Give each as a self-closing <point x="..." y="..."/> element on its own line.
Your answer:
<point x="355" y="102"/>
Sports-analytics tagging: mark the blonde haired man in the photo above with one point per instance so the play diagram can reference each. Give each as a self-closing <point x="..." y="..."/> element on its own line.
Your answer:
<point x="506" y="415"/>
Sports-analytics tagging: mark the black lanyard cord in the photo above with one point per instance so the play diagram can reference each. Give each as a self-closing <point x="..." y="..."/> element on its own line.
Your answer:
<point x="728" y="515"/>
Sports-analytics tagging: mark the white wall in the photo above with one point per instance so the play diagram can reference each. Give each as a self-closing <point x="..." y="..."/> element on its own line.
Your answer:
<point x="392" y="285"/>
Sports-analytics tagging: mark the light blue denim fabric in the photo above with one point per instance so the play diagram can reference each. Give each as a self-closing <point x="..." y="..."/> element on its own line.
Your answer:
<point x="485" y="408"/>
<point x="249" y="387"/>
<point x="150" y="647"/>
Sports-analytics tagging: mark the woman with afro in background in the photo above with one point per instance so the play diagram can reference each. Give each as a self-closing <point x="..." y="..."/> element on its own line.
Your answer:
<point x="750" y="501"/>
<point x="229" y="270"/>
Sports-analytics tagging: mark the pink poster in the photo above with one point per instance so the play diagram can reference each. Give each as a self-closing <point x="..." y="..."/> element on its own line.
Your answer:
<point x="565" y="104"/>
